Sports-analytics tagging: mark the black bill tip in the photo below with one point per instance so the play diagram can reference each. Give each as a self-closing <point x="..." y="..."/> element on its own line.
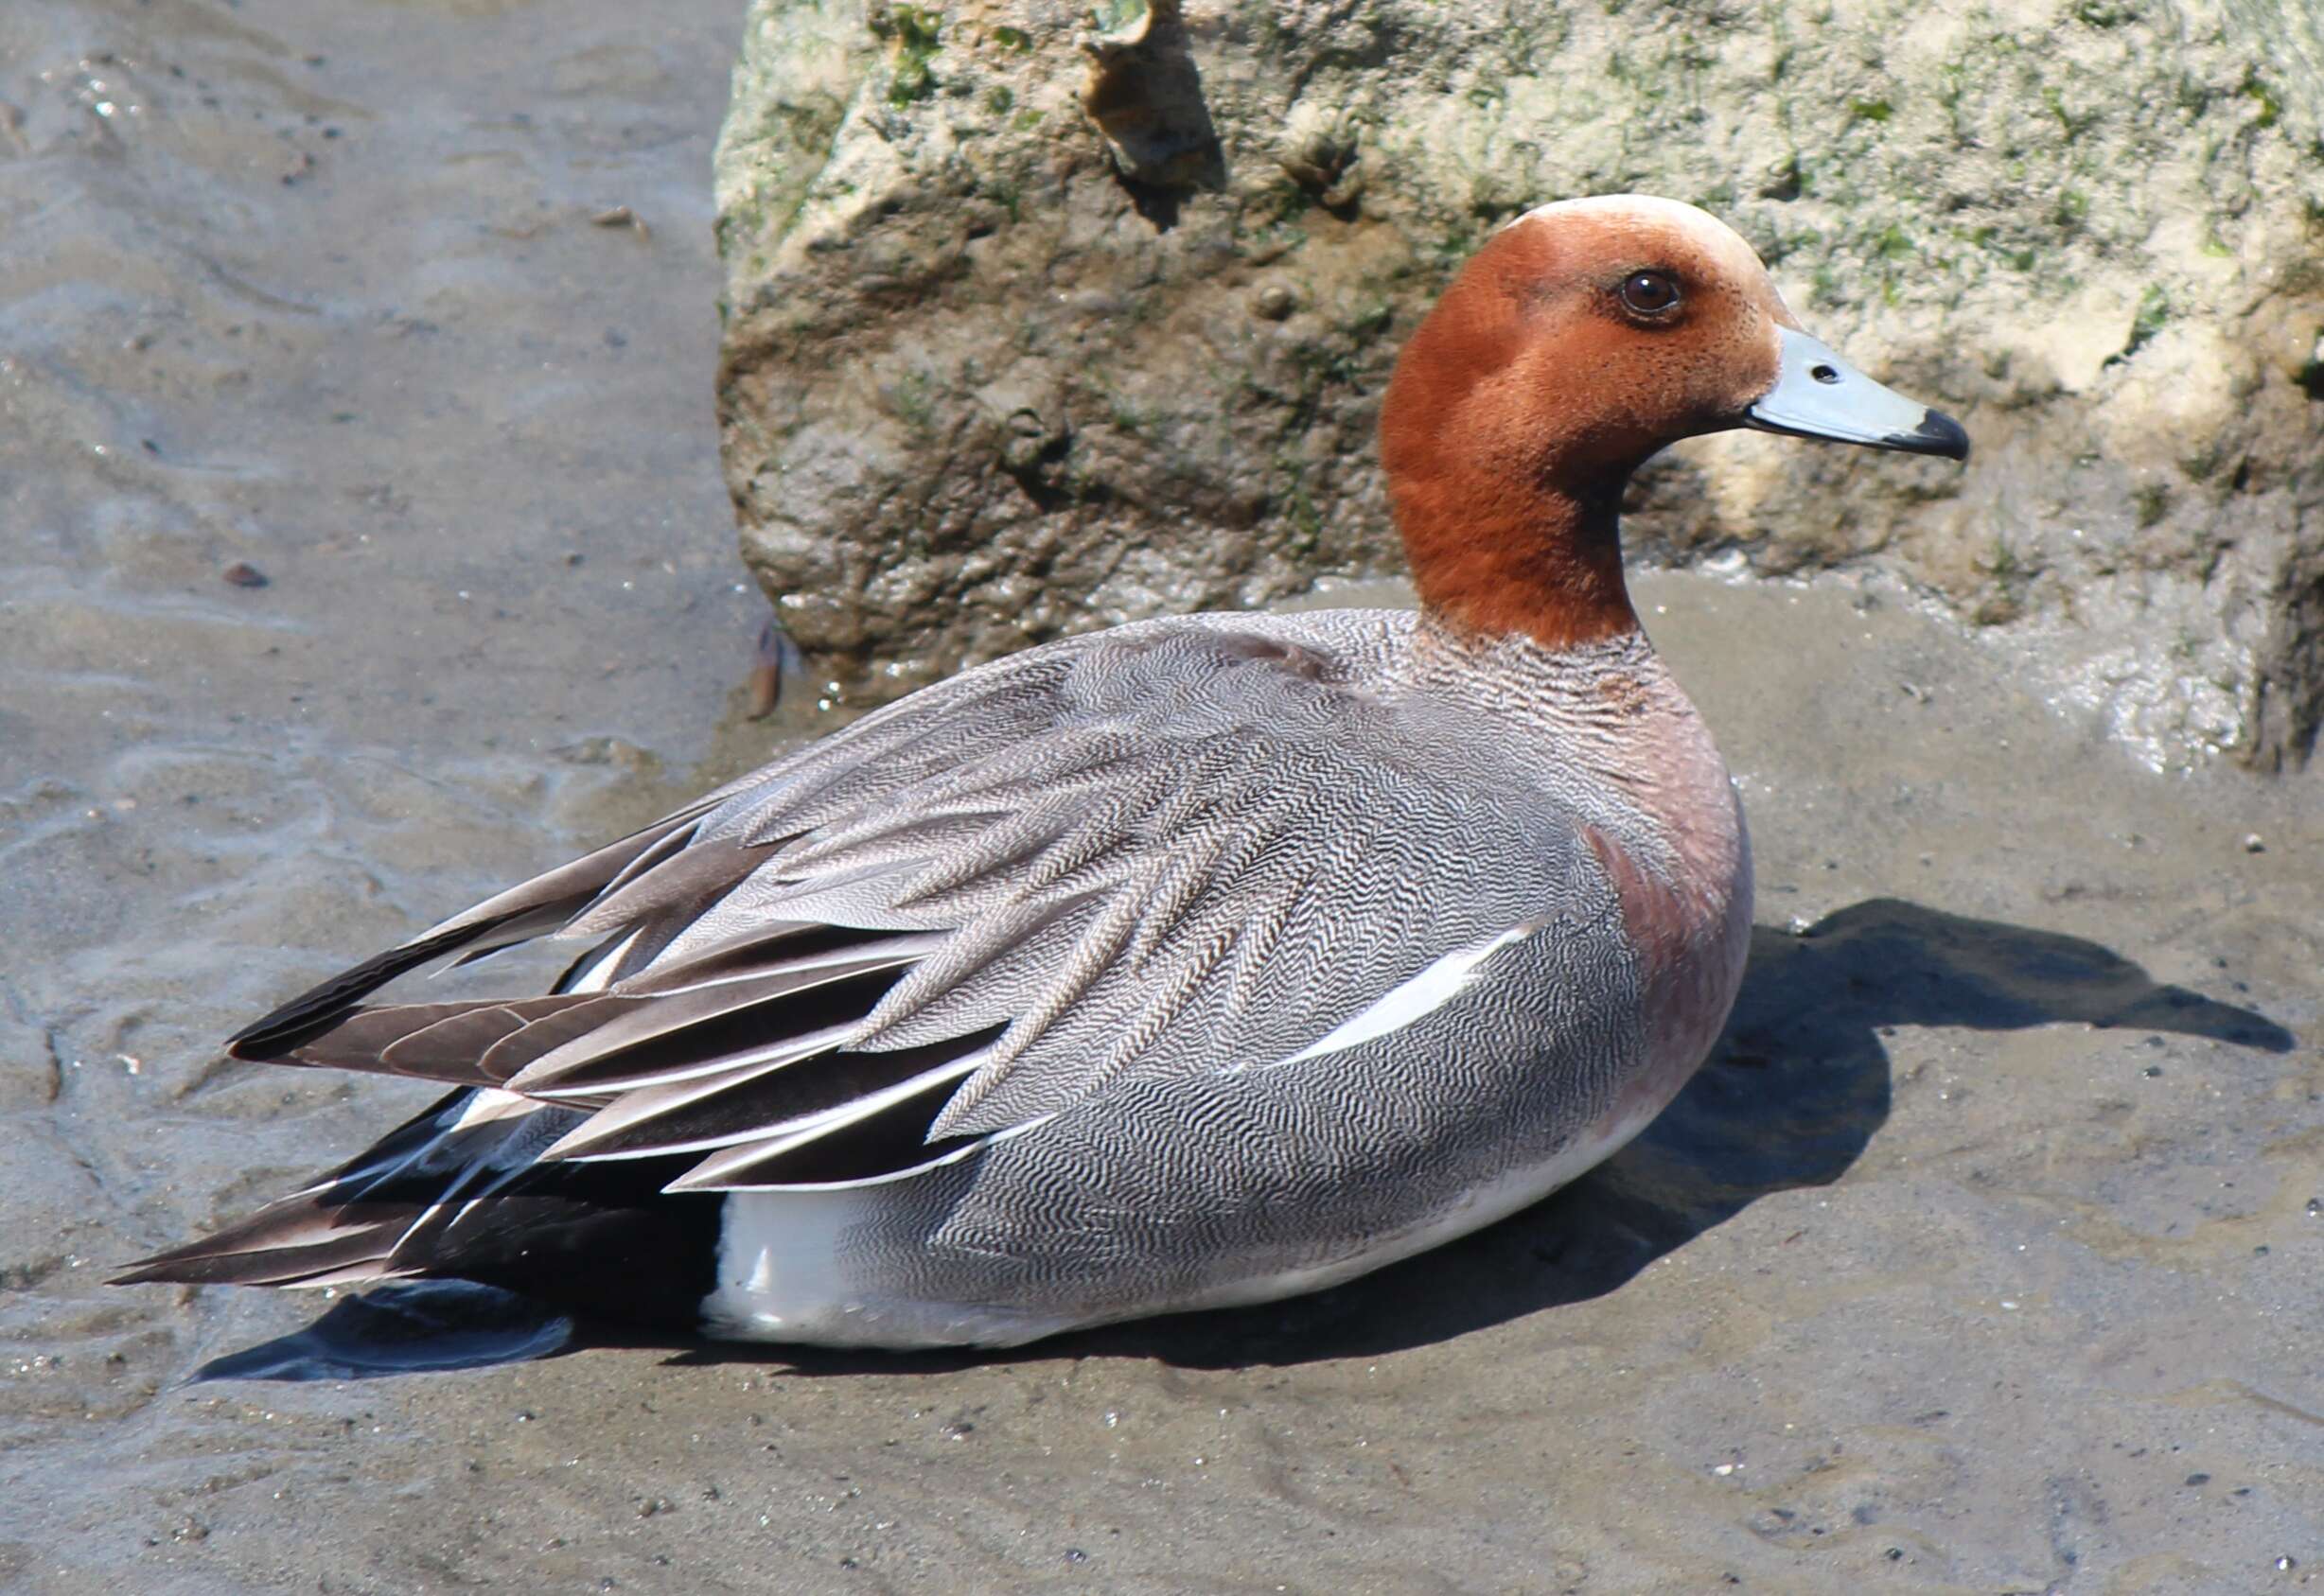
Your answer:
<point x="1938" y="433"/>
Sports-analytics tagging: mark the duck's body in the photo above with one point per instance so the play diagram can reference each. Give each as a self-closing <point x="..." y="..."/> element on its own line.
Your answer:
<point x="1389" y="984"/>
<point x="1198" y="962"/>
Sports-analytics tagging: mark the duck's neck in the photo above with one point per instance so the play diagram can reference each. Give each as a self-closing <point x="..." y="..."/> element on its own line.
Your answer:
<point x="1540" y="559"/>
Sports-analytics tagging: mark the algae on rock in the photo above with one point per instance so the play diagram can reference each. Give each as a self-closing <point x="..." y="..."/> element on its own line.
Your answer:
<point x="1040" y="317"/>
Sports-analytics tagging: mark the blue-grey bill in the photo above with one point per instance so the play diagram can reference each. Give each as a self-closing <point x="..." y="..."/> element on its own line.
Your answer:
<point x="1817" y="394"/>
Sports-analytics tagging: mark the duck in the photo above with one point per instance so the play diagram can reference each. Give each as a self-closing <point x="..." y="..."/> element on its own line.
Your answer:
<point x="1198" y="962"/>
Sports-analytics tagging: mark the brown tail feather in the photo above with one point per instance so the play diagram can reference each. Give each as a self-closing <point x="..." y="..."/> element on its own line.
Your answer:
<point x="301" y="1241"/>
<point x="544" y="904"/>
<point x="447" y="1042"/>
<point x="313" y="1011"/>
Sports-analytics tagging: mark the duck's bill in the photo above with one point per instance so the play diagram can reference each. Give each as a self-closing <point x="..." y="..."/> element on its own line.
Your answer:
<point x="1819" y="395"/>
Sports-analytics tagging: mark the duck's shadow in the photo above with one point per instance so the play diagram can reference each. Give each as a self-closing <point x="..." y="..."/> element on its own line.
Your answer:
<point x="1792" y="1095"/>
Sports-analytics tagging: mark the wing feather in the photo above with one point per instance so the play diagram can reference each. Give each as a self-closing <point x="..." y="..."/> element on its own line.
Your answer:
<point x="658" y="1040"/>
<point x="514" y="916"/>
<point x="1181" y="846"/>
<point x="762" y="1101"/>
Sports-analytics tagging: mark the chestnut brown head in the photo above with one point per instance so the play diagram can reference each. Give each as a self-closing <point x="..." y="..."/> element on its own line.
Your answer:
<point x="1581" y="338"/>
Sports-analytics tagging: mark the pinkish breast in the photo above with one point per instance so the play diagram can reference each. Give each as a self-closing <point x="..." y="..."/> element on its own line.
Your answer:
<point x="1683" y="878"/>
<point x="1616" y="741"/>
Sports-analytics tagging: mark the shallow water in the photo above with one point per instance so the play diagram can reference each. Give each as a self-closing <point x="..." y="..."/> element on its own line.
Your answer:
<point x="1983" y="1257"/>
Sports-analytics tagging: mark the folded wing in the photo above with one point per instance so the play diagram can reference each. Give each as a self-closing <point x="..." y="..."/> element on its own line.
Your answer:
<point x="1185" y="846"/>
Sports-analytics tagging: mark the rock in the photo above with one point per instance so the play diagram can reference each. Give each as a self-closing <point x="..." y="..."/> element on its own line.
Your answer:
<point x="1036" y="324"/>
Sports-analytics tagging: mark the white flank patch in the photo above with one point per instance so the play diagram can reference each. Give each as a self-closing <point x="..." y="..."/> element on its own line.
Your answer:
<point x="779" y="1264"/>
<point x="780" y="1280"/>
<point x="1430" y="990"/>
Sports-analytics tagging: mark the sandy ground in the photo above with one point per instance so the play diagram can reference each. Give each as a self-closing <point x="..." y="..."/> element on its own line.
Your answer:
<point x="1983" y="1257"/>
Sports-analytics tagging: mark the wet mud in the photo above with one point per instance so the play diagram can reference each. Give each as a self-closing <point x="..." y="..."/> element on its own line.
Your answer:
<point x="366" y="550"/>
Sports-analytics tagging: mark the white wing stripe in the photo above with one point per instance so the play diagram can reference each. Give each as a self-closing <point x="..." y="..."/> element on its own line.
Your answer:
<point x="1430" y="990"/>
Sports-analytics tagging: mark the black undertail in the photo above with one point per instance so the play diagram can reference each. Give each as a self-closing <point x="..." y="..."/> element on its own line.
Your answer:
<point x="599" y="1239"/>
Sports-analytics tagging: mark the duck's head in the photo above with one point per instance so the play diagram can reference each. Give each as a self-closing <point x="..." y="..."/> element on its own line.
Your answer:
<point x="1581" y="338"/>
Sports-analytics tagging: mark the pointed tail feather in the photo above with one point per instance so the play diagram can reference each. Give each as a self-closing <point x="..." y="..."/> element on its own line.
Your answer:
<point x="350" y="1219"/>
<point x="458" y="1193"/>
<point x="301" y="1242"/>
<point x="544" y="904"/>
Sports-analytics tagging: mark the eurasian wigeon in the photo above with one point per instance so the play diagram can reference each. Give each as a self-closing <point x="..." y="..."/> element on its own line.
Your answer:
<point x="1201" y="961"/>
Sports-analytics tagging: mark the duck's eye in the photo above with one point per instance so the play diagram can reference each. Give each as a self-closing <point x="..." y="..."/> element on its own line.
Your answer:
<point x="1649" y="293"/>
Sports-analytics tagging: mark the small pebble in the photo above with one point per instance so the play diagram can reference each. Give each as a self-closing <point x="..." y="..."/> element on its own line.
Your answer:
<point x="2253" y="843"/>
<point x="243" y="575"/>
<point x="2285" y="1565"/>
<point x="621" y="216"/>
<point x="1273" y="302"/>
<point x="2198" y="1479"/>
